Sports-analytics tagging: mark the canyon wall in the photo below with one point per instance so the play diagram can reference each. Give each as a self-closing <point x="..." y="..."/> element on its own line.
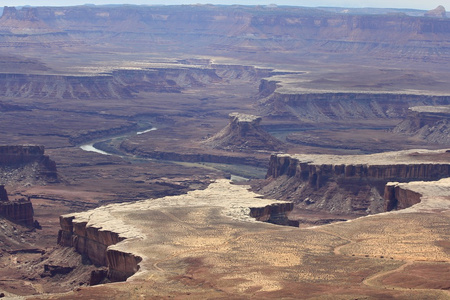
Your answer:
<point x="349" y="184"/>
<point x="94" y="242"/>
<point x="123" y="83"/>
<point x="430" y="123"/>
<point x="16" y="210"/>
<point x="397" y="197"/>
<point x="326" y="107"/>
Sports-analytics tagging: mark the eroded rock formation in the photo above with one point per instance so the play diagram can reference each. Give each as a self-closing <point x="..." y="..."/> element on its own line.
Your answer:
<point x="93" y="242"/>
<point x="425" y="195"/>
<point x="398" y="198"/>
<point x="351" y="183"/>
<point x="275" y="213"/>
<point x="244" y="133"/>
<point x="430" y="123"/>
<point x="16" y="210"/>
<point x="26" y="162"/>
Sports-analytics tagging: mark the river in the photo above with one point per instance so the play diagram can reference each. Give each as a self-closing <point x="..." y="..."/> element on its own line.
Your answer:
<point x="237" y="172"/>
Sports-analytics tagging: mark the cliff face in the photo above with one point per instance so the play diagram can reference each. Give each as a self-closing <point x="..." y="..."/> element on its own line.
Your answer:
<point x="398" y="198"/>
<point x="425" y="195"/>
<point x="94" y="242"/>
<point x="430" y="123"/>
<point x="275" y="214"/>
<point x="349" y="184"/>
<point x="20" y="157"/>
<point x="3" y="194"/>
<point x="243" y="133"/>
<point x="323" y="107"/>
<point x="123" y="84"/>
<point x="17" y="210"/>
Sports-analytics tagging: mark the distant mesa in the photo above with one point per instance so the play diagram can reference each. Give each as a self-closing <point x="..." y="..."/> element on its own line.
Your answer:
<point x="26" y="164"/>
<point x="438" y="12"/>
<point x="244" y="133"/>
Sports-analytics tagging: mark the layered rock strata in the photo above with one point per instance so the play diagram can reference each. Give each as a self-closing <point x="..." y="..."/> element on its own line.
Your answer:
<point x="351" y="183"/>
<point x="418" y="195"/>
<point x="18" y="156"/>
<point x="243" y="133"/>
<point x="16" y="210"/>
<point x="122" y="83"/>
<point x="93" y="241"/>
<point x="246" y="29"/>
<point x="331" y="106"/>
<point x="430" y="123"/>
<point x="103" y="235"/>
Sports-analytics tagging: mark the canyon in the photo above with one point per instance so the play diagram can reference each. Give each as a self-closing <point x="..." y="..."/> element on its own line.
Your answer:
<point x="338" y="114"/>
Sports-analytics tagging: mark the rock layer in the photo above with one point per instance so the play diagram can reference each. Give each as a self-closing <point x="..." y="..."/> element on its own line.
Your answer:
<point x="16" y="210"/>
<point x="94" y="242"/>
<point x="418" y="195"/>
<point x="349" y="184"/>
<point x="332" y="106"/>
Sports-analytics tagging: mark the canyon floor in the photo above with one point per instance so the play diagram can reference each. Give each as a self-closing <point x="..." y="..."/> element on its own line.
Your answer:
<point x="77" y="81"/>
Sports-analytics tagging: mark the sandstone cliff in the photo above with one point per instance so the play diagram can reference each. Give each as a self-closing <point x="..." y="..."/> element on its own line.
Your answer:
<point x="16" y="210"/>
<point x="430" y="123"/>
<point x="422" y="195"/>
<point x="349" y="184"/>
<point x="244" y="133"/>
<point x="93" y="241"/>
<point x="396" y="197"/>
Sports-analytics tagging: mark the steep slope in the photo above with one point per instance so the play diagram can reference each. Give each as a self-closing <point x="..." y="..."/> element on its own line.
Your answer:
<point x="243" y="133"/>
<point x="430" y="123"/>
<point x="349" y="183"/>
